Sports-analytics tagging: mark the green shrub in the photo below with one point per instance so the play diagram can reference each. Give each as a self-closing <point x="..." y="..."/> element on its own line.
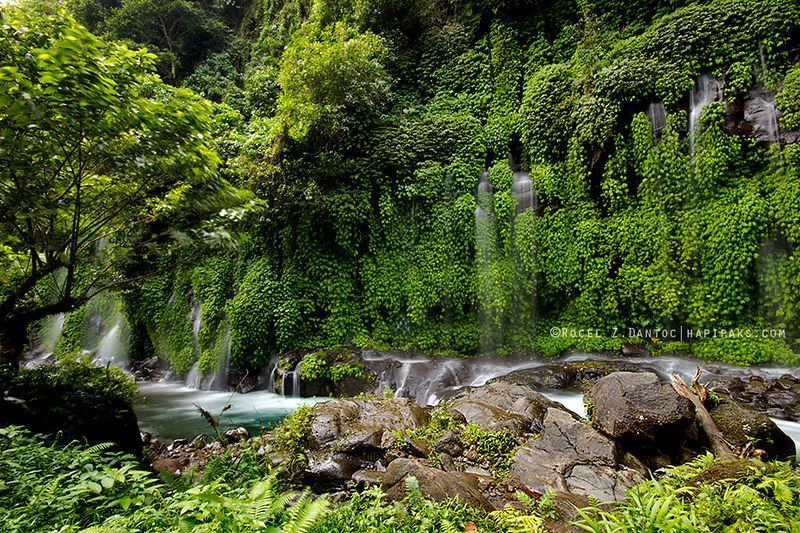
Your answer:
<point x="707" y="496"/>
<point x="76" y="400"/>
<point x="321" y="365"/>
<point x="44" y="486"/>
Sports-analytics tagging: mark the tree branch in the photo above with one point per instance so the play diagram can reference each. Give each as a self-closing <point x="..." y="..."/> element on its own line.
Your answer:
<point x="715" y="438"/>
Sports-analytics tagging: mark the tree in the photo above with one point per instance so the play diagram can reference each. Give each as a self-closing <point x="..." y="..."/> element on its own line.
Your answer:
<point x="180" y="32"/>
<point x="99" y="164"/>
<point x="326" y="73"/>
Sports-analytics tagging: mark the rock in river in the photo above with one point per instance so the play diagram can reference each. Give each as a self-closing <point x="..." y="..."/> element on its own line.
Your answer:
<point x="348" y="434"/>
<point x="501" y="405"/>
<point x="741" y="425"/>
<point x="639" y="410"/>
<point x="570" y="456"/>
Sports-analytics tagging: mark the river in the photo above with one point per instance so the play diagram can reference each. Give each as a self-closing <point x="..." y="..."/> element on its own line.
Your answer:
<point x="170" y="409"/>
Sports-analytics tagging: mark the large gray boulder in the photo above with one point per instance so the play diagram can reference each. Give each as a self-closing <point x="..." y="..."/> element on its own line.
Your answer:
<point x="502" y="405"/>
<point x="639" y="410"/>
<point x="347" y="435"/>
<point x="741" y="425"/>
<point x="358" y="424"/>
<point x="570" y="456"/>
<point x="434" y="483"/>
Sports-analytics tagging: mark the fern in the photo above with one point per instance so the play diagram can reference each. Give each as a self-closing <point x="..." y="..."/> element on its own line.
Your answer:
<point x="413" y="492"/>
<point x="448" y="527"/>
<point x="174" y="482"/>
<point x="265" y="504"/>
<point x="97" y="448"/>
<point x="305" y="513"/>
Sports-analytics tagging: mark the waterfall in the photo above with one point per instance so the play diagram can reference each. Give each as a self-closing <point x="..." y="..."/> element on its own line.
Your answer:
<point x="707" y="89"/>
<point x="658" y="119"/>
<point x="111" y="347"/>
<point x="51" y="332"/>
<point x="759" y="107"/>
<point x="219" y="380"/>
<point x="486" y="244"/>
<point x="105" y="332"/>
<point x="194" y="319"/>
<point x="194" y="379"/>
<point x="296" y="379"/>
<point x="272" y="368"/>
<point x="523" y="191"/>
<point x="523" y="254"/>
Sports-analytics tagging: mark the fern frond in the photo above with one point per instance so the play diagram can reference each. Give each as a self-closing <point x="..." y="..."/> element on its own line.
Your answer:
<point x="174" y="482"/>
<point x="97" y="448"/>
<point x="414" y="494"/>
<point x="448" y="527"/>
<point x="308" y="512"/>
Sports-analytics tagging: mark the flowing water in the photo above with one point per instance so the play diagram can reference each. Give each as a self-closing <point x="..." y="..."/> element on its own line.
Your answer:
<point x="707" y="89"/>
<point x="574" y="402"/>
<point x="658" y="119"/>
<point x="169" y="410"/>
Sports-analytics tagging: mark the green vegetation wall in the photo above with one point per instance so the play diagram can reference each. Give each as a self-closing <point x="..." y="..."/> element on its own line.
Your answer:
<point x="364" y="127"/>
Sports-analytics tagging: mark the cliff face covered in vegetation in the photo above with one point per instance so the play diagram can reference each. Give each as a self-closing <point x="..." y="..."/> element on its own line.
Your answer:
<point x="652" y="184"/>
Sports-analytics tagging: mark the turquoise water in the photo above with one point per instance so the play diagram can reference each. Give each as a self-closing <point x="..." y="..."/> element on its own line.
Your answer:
<point x="169" y="410"/>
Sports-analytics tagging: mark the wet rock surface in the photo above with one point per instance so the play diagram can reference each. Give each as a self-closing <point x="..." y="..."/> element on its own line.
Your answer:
<point x="571" y="375"/>
<point x="778" y="397"/>
<point x="505" y="406"/>
<point x="570" y="456"/>
<point x="742" y="426"/>
<point x="643" y="414"/>
<point x="434" y="483"/>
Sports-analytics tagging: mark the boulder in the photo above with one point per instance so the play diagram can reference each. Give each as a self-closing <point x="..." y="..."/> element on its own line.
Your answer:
<point x="348" y="435"/>
<point x="570" y="456"/>
<point x="332" y="465"/>
<point x="502" y="405"/>
<point x="741" y="425"/>
<point x="368" y="477"/>
<point x="450" y="444"/>
<point x="433" y="483"/>
<point x="640" y="411"/>
<point x="358" y="424"/>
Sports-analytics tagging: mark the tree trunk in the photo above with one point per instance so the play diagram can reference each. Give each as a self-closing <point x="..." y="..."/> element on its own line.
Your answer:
<point x="13" y="338"/>
<point x="715" y="438"/>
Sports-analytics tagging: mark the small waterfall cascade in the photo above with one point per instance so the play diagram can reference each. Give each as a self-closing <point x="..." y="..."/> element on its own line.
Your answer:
<point x="657" y="115"/>
<point x="218" y="381"/>
<point x="484" y="197"/>
<point x="272" y="370"/>
<point x="51" y="333"/>
<point x="707" y="89"/>
<point x="106" y="333"/>
<point x="111" y="347"/>
<point x="195" y="320"/>
<point x="296" y="379"/>
<point x="523" y="252"/>
<point x="523" y="189"/>
<point x="194" y="378"/>
<point x="486" y="254"/>
<point x="759" y="107"/>
<point x="428" y="381"/>
<point x="282" y="380"/>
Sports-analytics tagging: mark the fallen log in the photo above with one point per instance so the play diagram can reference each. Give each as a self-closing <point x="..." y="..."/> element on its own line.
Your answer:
<point x="718" y="444"/>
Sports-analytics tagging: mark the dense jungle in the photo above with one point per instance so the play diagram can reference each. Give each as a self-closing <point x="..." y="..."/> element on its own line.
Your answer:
<point x="430" y="210"/>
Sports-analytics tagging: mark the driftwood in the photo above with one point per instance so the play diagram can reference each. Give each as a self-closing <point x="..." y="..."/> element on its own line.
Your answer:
<point x="715" y="438"/>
